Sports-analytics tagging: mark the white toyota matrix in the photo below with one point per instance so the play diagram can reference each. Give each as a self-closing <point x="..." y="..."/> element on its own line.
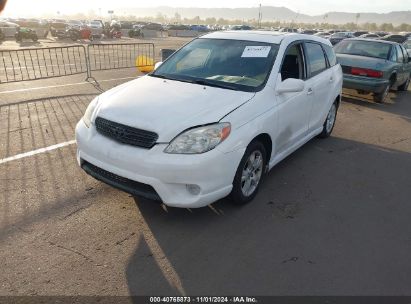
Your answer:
<point x="213" y="118"/>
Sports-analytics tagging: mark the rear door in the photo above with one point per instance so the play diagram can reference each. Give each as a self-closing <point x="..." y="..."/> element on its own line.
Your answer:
<point x="401" y="70"/>
<point x="319" y="82"/>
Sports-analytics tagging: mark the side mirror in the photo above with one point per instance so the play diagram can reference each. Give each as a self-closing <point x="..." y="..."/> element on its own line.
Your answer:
<point x="157" y="65"/>
<point x="290" y="85"/>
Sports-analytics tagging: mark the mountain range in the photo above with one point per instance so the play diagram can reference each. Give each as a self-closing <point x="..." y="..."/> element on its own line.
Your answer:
<point x="271" y="13"/>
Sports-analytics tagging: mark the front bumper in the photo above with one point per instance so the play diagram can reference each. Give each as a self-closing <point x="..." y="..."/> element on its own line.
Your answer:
<point x="167" y="174"/>
<point x="366" y="84"/>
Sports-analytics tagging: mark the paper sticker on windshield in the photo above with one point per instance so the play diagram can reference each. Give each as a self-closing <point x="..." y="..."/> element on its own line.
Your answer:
<point x="256" y="51"/>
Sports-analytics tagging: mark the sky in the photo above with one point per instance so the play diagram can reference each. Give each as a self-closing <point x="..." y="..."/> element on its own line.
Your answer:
<point x="310" y="7"/>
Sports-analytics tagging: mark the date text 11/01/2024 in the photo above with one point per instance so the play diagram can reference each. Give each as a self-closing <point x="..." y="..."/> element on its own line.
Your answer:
<point x="203" y="300"/>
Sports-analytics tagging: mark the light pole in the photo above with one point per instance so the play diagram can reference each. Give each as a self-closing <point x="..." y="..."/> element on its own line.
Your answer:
<point x="260" y="17"/>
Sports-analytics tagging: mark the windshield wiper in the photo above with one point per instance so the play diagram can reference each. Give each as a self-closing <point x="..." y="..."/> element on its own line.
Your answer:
<point x="158" y="76"/>
<point x="213" y="84"/>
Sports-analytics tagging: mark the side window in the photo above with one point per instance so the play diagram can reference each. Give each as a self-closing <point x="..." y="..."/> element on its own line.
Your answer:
<point x="393" y="54"/>
<point x="400" y="56"/>
<point x="315" y="58"/>
<point x="404" y="51"/>
<point x="293" y="63"/>
<point x="332" y="59"/>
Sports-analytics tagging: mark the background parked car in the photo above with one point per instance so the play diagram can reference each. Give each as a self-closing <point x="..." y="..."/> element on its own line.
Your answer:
<point x="58" y="28"/>
<point x="136" y="31"/>
<point x="370" y="36"/>
<point x="97" y="28"/>
<point x="340" y="36"/>
<point x="308" y="32"/>
<point x="241" y="28"/>
<point x="394" y="38"/>
<point x="9" y="29"/>
<point x="360" y="33"/>
<point x="324" y="35"/>
<point x="374" y="66"/>
<point x="407" y="45"/>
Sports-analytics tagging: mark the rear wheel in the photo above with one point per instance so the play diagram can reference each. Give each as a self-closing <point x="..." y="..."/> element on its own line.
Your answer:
<point x="381" y="97"/>
<point x="329" y="123"/>
<point x="249" y="174"/>
<point x="405" y="85"/>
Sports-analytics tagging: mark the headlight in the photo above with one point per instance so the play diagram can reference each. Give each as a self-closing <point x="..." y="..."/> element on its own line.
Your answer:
<point x="199" y="140"/>
<point x="89" y="112"/>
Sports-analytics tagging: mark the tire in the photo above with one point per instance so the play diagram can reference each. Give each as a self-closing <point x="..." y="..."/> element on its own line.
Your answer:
<point x="2" y="36"/>
<point x="405" y="85"/>
<point x="329" y="123"/>
<point x="18" y="38"/>
<point x="242" y="194"/>
<point x="381" y="97"/>
<point x="34" y="38"/>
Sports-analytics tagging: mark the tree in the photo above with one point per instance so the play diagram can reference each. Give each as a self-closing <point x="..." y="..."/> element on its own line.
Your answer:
<point x="177" y="18"/>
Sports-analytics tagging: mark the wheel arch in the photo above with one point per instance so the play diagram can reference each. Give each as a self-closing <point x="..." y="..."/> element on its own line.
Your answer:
<point x="265" y="139"/>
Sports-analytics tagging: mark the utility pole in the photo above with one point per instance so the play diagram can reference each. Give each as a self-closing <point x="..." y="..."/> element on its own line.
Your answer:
<point x="260" y="16"/>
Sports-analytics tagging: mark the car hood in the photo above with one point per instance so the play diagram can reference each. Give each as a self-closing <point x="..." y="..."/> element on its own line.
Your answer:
<point x="168" y="107"/>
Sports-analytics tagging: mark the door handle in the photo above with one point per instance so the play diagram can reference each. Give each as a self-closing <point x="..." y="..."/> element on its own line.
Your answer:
<point x="331" y="79"/>
<point x="310" y="91"/>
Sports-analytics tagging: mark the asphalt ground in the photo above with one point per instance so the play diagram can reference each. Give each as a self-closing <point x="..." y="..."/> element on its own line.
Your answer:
<point x="331" y="219"/>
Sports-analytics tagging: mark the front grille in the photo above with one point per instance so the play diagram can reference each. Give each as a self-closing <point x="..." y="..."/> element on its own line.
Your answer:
<point x="125" y="134"/>
<point x="346" y="69"/>
<point x="122" y="183"/>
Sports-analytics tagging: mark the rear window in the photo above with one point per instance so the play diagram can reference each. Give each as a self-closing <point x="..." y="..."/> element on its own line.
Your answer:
<point x="363" y="48"/>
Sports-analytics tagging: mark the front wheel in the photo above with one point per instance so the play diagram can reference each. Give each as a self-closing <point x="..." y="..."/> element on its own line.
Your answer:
<point x="249" y="174"/>
<point x="329" y="123"/>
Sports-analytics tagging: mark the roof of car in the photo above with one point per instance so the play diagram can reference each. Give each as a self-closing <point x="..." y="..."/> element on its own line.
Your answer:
<point x="374" y="40"/>
<point x="260" y="36"/>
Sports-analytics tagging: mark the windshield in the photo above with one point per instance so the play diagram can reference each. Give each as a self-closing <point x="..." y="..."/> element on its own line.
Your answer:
<point x="231" y="64"/>
<point x="363" y="48"/>
<point x="407" y="44"/>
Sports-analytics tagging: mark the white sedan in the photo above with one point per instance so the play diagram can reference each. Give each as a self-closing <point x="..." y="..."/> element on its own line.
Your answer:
<point x="213" y="118"/>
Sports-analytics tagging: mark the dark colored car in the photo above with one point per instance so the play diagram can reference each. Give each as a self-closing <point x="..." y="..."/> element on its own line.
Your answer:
<point x="153" y="26"/>
<point x="340" y="36"/>
<point x="241" y="28"/>
<point x="178" y="27"/>
<point x="58" y="29"/>
<point x="394" y="38"/>
<point x="374" y="66"/>
<point x="370" y="36"/>
<point x="359" y="33"/>
<point x="308" y="32"/>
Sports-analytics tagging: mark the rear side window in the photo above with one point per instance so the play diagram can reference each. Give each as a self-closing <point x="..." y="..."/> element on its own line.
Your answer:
<point x="400" y="56"/>
<point x="332" y="59"/>
<point x="315" y="58"/>
<point x="405" y="54"/>
<point x="393" y="55"/>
